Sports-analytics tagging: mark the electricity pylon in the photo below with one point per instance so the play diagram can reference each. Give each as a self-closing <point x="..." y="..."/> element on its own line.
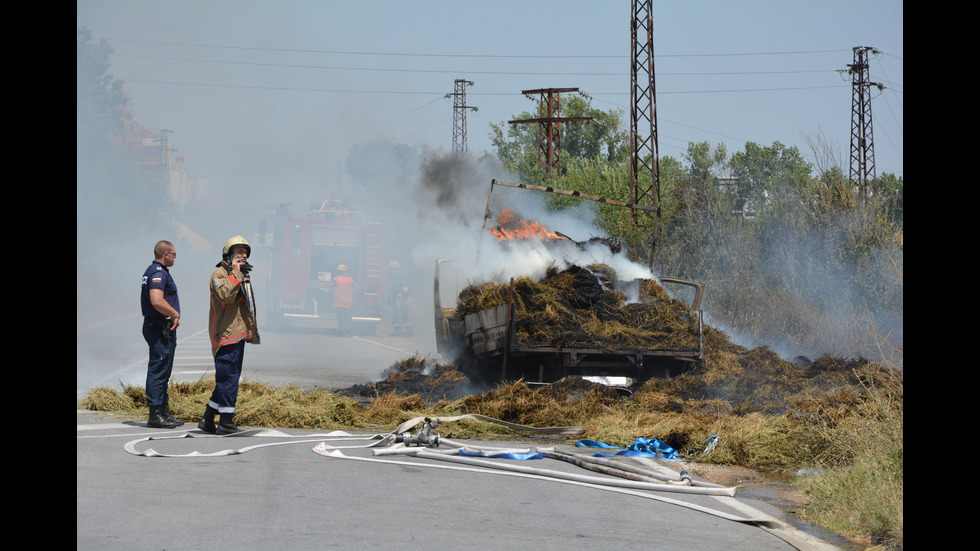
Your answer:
<point x="549" y="127"/>
<point x="644" y="165"/>
<point x="459" y="114"/>
<point x="862" y="173"/>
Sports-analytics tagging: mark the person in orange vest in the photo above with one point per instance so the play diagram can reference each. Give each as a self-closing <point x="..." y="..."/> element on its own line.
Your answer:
<point x="343" y="300"/>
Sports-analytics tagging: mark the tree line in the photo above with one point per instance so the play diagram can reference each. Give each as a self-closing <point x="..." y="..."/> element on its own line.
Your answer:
<point x="792" y="257"/>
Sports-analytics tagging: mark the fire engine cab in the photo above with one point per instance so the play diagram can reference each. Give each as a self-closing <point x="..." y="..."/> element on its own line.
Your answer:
<point x="308" y="247"/>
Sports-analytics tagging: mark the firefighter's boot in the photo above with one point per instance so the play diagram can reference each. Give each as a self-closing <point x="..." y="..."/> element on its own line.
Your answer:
<point x="207" y="420"/>
<point x="226" y="425"/>
<point x="158" y="421"/>
<point x="165" y="413"/>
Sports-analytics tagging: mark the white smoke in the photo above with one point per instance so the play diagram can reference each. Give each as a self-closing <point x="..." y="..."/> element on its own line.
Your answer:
<point x="460" y="230"/>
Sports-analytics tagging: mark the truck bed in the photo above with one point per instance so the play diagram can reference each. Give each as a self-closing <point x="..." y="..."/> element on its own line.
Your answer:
<point x="497" y="351"/>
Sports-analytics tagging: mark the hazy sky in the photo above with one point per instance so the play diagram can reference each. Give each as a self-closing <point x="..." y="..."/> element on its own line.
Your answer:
<point x="273" y="93"/>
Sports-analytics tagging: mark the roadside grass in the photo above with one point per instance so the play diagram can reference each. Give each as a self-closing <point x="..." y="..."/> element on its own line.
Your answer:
<point x="839" y="420"/>
<point x="861" y="491"/>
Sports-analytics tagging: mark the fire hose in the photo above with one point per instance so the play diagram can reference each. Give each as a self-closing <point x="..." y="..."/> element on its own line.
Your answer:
<point x="401" y="440"/>
<point x="542" y="474"/>
<point x="780" y="529"/>
<point x="627" y="481"/>
<point x="630" y="480"/>
<point x="400" y="435"/>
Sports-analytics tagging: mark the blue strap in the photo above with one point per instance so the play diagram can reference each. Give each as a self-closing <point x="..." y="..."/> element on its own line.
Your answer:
<point x="503" y="455"/>
<point x="641" y="447"/>
<point x="593" y="444"/>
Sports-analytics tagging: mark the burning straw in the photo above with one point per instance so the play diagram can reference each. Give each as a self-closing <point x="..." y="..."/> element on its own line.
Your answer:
<point x="589" y="307"/>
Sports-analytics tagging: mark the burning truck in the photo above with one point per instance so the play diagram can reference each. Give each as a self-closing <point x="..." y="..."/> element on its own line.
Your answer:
<point x="580" y="320"/>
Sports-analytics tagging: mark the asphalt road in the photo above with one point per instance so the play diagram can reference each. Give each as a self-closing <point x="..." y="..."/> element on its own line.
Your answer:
<point x="270" y="489"/>
<point x="111" y="352"/>
<point x="140" y="488"/>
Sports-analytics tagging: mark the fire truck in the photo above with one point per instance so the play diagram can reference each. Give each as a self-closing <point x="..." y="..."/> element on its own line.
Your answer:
<point x="309" y="249"/>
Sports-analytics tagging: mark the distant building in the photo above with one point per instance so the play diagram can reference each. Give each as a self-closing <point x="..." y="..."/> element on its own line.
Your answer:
<point x="156" y="158"/>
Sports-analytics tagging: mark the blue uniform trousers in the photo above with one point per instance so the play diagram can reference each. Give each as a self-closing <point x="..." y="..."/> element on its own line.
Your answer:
<point x="163" y="344"/>
<point x="227" y="371"/>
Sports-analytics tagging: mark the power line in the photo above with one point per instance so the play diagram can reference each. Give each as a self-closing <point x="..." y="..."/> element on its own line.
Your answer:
<point x="490" y="56"/>
<point x="442" y="93"/>
<point x="402" y="70"/>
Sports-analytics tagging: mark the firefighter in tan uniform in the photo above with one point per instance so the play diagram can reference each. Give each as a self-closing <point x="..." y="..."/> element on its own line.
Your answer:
<point x="231" y="324"/>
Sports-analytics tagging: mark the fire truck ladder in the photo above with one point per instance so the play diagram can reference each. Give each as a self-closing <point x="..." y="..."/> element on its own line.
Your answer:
<point x="372" y="270"/>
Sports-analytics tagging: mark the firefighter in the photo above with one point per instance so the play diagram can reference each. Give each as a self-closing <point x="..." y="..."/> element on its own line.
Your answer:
<point x="401" y="294"/>
<point x="403" y="301"/>
<point x="343" y="300"/>
<point x="231" y="324"/>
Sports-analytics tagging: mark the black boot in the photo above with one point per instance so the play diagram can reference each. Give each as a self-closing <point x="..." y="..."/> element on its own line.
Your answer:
<point x="165" y="412"/>
<point x="157" y="420"/>
<point x="207" y="420"/>
<point x="226" y="425"/>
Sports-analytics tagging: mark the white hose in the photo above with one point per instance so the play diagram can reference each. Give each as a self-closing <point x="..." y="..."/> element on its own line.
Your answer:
<point x="570" y="430"/>
<point x="730" y="492"/>
<point x="375" y="440"/>
<point x="763" y="521"/>
<point x="641" y="470"/>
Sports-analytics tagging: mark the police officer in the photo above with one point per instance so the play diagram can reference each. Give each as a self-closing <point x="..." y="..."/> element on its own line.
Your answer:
<point x="161" y="317"/>
<point x="231" y="324"/>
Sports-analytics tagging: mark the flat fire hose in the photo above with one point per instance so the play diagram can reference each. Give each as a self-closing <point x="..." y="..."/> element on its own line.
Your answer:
<point x="616" y="482"/>
<point x="570" y="430"/>
<point x="387" y="445"/>
<point x="321" y="449"/>
<point x="378" y="440"/>
<point x="798" y="539"/>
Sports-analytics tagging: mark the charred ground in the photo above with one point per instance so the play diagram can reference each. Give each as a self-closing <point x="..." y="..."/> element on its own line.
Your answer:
<point x="589" y="306"/>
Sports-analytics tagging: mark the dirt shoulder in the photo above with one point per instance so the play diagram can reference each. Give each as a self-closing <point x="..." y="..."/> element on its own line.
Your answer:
<point x="775" y="487"/>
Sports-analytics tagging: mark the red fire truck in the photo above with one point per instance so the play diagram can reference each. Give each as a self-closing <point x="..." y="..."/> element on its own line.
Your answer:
<point x="308" y="247"/>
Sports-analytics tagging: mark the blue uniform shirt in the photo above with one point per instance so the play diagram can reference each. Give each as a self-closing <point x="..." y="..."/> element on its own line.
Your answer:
<point x="157" y="276"/>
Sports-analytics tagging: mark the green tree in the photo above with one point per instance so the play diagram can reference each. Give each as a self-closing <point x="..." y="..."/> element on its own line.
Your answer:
<point x="602" y="138"/>
<point x="767" y="174"/>
<point x="100" y="98"/>
<point x="705" y="163"/>
<point x="112" y="194"/>
<point x="890" y="191"/>
<point x="789" y="260"/>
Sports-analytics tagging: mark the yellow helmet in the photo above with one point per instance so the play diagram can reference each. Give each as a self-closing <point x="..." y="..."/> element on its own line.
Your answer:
<point x="342" y="268"/>
<point x="237" y="241"/>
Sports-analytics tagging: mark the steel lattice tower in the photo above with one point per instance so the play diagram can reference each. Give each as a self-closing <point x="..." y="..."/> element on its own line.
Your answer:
<point x="459" y="115"/>
<point x="645" y="165"/>
<point x="549" y="127"/>
<point x="862" y="173"/>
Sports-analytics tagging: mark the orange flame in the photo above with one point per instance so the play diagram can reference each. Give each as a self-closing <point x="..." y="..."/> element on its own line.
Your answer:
<point x="509" y="227"/>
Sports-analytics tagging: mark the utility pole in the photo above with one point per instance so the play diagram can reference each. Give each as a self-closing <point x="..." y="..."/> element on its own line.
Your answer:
<point x="862" y="173"/>
<point x="459" y="114"/>
<point x="549" y="127"/>
<point x="645" y="164"/>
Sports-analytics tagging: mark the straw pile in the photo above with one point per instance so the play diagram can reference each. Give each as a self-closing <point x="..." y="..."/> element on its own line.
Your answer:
<point x="587" y="307"/>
